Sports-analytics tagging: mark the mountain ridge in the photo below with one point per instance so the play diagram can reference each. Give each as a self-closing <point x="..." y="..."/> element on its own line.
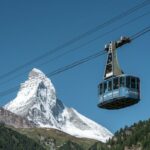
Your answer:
<point x="37" y="101"/>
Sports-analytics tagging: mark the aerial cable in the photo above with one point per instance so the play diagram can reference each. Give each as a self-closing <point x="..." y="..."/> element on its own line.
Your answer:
<point x="93" y="56"/>
<point x="81" y="36"/>
<point x="62" y="69"/>
<point x="76" y="63"/>
<point x="79" y="62"/>
<point x="140" y="33"/>
<point x="78" y="47"/>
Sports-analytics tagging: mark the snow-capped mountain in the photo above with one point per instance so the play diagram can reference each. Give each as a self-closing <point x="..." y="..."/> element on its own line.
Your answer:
<point x="37" y="101"/>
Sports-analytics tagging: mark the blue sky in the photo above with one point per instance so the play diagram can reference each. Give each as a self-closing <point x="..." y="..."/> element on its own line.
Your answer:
<point x="30" y="28"/>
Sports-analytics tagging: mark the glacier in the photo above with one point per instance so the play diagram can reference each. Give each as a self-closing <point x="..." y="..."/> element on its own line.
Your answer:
<point x="37" y="101"/>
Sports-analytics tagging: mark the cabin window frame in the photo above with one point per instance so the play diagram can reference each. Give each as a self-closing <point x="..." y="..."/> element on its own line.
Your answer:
<point x="128" y="82"/>
<point x="133" y="83"/>
<point x="138" y="84"/>
<point x="122" y="82"/>
<point x="101" y="88"/>
<point x="110" y="83"/>
<point x="104" y="87"/>
<point x="115" y="84"/>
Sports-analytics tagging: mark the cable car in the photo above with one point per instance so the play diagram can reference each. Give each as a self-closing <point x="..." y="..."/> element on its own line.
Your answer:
<point x="117" y="90"/>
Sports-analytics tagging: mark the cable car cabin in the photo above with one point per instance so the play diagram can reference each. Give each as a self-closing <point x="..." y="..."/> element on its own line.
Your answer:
<point x="119" y="92"/>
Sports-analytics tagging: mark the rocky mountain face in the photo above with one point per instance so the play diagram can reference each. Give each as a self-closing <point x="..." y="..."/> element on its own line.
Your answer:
<point x="11" y="119"/>
<point x="37" y="101"/>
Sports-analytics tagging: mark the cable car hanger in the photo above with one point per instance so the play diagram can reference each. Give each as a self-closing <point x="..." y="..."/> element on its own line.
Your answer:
<point x="118" y="90"/>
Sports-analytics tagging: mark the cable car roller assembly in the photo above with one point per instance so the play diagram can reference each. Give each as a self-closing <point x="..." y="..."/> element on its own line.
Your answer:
<point x="118" y="90"/>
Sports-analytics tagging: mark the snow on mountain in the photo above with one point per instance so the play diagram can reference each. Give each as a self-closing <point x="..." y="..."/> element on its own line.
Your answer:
<point x="37" y="101"/>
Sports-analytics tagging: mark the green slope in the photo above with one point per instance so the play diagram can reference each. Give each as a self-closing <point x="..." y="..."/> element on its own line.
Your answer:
<point x="12" y="140"/>
<point x="56" y="138"/>
<point x="135" y="137"/>
<point x="69" y="145"/>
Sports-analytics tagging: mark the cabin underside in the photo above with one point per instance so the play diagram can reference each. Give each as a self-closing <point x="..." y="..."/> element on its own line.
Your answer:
<point x="118" y="103"/>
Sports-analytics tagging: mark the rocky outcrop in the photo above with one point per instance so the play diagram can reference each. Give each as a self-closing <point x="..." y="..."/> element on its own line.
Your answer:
<point x="11" y="119"/>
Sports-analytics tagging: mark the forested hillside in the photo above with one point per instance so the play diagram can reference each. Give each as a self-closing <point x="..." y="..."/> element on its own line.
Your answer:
<point x="135" y="137"/>
<point x="12" y="140"/>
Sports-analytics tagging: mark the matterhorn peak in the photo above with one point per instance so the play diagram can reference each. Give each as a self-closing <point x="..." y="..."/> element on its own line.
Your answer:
<point x="37" y="90"/>
<point x="36" y="73"/>
<point x="37" y="101"/>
